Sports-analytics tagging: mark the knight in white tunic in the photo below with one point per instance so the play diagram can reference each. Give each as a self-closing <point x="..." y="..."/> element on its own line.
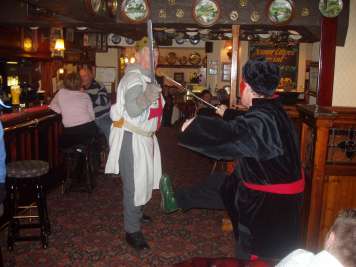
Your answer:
<point x="134" y="150"/>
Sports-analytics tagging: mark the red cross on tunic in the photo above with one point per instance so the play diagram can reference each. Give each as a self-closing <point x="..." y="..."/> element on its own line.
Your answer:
<point x="157" y="112"/>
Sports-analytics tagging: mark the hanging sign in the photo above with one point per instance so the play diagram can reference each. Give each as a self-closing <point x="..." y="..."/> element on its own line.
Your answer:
<point x="285" y="56"/>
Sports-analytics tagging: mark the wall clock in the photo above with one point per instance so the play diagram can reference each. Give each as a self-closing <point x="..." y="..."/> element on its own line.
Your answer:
<point x="135" y="11"/>
<point x="206" y="12"/>
<point x="112" y="7"/>
<point x="280" y="11"/>
<point x="330" y="8"/>
<point x="93" y="6"/>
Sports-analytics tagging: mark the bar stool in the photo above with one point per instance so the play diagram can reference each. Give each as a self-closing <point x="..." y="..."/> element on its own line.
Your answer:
<point x="78" y="160"/>
<point x="29" y="174"/>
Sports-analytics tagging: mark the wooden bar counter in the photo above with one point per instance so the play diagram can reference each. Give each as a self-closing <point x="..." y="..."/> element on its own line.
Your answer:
<point x="328" y="153"/>
<point x="32" y="133"/>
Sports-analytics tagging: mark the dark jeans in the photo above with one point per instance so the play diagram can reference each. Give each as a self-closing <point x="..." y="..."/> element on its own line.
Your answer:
<point x="81" y="134"/>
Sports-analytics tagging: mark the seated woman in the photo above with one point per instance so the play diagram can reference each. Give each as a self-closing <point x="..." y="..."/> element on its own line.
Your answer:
<point x="203" y="109"/>
<point x="77" y="112"/>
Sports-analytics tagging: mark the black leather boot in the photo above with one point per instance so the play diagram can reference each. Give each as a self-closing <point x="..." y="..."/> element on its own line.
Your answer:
<point x="137" y="241"/>
<point x="145" y="219"/>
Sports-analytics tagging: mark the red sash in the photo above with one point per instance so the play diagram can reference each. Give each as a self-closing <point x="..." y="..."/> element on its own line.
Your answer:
<point x="283" y="189"/>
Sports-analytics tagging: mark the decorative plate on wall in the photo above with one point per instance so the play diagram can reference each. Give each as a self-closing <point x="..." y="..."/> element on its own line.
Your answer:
<point x="129" y="41"/>
<point x="112" y="7"/>
<point x="179" y="40"/>
<point x="171" y="58"/>
<point x="206" y="12"/>
<point x="94" y="6"/>
<point x="194" y="58"/>
<point x="115" y="39"/>
<point x="135" y="11"/>
<point x="330" y="8"/>
<point x="280" y="11"/>
<point x="194" y="40"/>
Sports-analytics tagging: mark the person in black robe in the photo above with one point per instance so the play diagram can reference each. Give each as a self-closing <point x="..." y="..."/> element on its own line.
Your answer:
<point x="263" y="195"/>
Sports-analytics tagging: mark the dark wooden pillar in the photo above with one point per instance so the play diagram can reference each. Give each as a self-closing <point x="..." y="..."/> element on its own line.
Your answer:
<point x="327" y="61"/>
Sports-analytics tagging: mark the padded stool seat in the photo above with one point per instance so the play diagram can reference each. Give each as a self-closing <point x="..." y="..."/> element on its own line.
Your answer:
<point x="27" y="168"/>
<point x="27" y="174"/>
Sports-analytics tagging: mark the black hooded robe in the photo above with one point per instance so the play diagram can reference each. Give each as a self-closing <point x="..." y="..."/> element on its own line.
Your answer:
<point x="263" y="143"/>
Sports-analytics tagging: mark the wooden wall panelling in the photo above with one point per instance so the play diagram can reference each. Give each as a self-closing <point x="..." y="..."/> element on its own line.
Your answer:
<point x="317" y="186"/>
<point x="330" y="179"/>
<point x="339" y="193"/>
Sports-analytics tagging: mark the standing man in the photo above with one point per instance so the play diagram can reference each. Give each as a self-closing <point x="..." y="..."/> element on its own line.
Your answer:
<point x="99" y="97"/>
<point x="2" y="169"/>
<point x="264" y="193"/>
<point x="134" y="150"/>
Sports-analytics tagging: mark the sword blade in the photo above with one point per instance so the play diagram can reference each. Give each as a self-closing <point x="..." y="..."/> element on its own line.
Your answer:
<point x="150" y="47"/>
<point x="189" y="92"/>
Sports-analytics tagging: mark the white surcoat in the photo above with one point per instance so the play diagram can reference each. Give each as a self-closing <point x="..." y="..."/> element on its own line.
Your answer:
<point x="146" y="152"/>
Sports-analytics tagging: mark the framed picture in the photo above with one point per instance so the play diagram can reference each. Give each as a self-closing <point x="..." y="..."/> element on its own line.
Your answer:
<point x="104" y="42"/>
<point x="179" y="77"/>
<point x="135" y="11"/>
<point x="206" y="12"/>
<point x="70" y="35"/>
<point x="313" y="79"/>
<point x="226" y="72"/>
<point x="99" y="42"/>
<point x="280" y="11"/>
<point x="212" y="67"/>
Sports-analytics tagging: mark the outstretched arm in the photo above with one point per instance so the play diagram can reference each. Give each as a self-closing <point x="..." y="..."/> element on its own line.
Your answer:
<point x="137" y="100"/>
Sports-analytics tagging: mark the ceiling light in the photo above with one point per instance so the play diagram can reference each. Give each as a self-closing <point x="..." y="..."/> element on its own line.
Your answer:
<point x="191" y="33"/>
<point x="264" y="35"/>
<point x="170" y="30"/>
<point x="293" y="32"/>
<point x="81" y="28"/>
<point x="59" y="45"/>
<point x="295" y="37"/>
<point x="34" y="28"/>
<point x="27" y="44"/>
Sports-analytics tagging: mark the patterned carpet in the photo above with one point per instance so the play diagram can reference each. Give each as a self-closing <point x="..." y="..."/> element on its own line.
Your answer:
<point x="87" y="229"/>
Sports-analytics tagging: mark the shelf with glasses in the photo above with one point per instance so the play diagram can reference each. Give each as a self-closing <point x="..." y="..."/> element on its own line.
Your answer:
<point x="180" y="66"/>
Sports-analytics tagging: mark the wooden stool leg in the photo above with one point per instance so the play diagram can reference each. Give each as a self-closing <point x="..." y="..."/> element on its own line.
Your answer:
<point x="70" y="164"/>
<point x="41" y="213"/>
<point x="88" y="176"/>
<point x="45" y="210"/>
<point x="12" y="223"/>
<point x="91" y="158"/>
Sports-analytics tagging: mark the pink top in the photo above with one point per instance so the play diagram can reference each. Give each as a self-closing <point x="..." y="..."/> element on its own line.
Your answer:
<point x="75" y="106"/>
